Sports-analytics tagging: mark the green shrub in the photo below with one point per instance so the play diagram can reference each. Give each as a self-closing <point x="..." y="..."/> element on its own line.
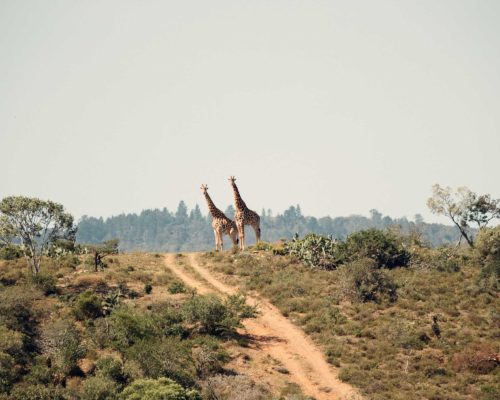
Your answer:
<point x="228" y="387"/>
<point x="166" y="357"/>
<point x="384" y="247"/>
<point x="264" y="246"/>
<point x="111" y="368"/>
<point x="68" y="261"/>
<point x="36" y="392"/>
<point x="62" y="343"/>
<point x="323" y="252"/>
<point x="158" y="389"/>
<point x="99" y="388"/>
<point x="487" y="250"/>
<point x="8" y="372"/>
<point x="16" y="311"/>
<point x="440" y="259"/>
<point x="87" y="306"/>
<point x="362" y="281"/>
<point x="315" y="251"/>
<point x="11" y="342"/>
<point x="10" y="252"/>
<point x="216" y="316"/>
<point x="177" y="287"/>
<point x="45" y="282"/>
<point x="127" y="327"/>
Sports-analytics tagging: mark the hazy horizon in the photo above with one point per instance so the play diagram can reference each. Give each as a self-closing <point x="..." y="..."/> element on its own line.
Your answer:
<point x="341" y="107"/>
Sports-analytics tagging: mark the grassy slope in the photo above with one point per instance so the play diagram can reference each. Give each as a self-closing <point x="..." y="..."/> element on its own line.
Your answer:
<point x="387" y="350"/>
<point x="131" y="272"/>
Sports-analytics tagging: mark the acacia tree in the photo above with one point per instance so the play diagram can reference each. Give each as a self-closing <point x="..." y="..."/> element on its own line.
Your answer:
<point x="99" y="251"/>
<point x="36" y="224"/>
<point x="464" y="207"/>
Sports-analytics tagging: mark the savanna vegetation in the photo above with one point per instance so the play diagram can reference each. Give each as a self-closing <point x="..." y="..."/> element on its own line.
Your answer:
<point x="399" y="318"/>
<point x="129" y="331"/>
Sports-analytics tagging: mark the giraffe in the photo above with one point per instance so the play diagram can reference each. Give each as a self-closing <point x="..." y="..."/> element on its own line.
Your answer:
<point x="220" y="223"/>
<point x="244" y="216"/>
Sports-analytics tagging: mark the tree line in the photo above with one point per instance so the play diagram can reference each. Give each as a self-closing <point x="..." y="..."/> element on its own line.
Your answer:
<point x="190" y="230"/>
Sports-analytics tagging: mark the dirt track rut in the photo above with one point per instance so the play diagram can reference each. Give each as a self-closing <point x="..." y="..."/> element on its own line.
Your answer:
<point x="289" y="345"/>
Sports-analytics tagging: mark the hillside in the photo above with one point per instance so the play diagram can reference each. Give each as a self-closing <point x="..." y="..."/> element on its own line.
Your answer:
<point x="184" y="230"/>
<point x="72" y="333"/>
<point x="425" y="328"/>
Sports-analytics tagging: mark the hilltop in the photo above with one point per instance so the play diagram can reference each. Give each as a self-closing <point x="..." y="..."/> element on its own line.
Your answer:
<point x="190" y="230"/>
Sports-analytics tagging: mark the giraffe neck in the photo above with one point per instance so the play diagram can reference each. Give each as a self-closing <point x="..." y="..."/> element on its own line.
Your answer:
<point x="238" y="201"/>
<point x="214" y="211"/>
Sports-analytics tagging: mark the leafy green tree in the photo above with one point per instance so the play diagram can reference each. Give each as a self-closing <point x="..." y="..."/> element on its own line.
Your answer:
<point x="464" y="207"/>
<point x="158" y="389"/>
<point x="36" y="223"/>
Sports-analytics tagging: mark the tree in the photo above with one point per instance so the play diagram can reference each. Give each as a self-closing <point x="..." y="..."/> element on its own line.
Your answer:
<point x="463" y="207"/>
<point x="181" y="215"/>
<point x="102" y="250"/>
<point x="36" y="223"/>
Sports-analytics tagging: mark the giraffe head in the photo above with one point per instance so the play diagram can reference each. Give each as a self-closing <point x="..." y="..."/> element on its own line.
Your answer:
<point x="232" y="179"/>
<point x="204" y="189"/>
<point x="233" y="233"/>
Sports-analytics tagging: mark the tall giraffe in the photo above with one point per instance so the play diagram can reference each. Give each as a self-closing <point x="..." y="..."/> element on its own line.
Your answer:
<point x="244" y="216"/>
<point x="220" y="223"/>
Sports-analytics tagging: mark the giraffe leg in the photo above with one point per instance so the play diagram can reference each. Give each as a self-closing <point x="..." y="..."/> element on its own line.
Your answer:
<point x="216" y="240"/>
<point x="241" y="232"/>
<point x="256" y="228"/>
<point x="221" y="241"/>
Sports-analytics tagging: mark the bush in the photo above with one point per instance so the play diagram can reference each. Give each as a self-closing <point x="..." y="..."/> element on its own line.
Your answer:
<point x="128" y="327"/>
<point x="99" y="388"/>
<point x="215" y="316"/>
<point x="68" y="261"/>
<point x="148" y="288"/>
<point x="166" y="357"/>
<point x="236" y="387"/>
<point x="11" y="342"/>
<point x="177" y="287"/>
<point x="10" y="252"/>
<point x="87" y="306"/>
<point x="440" y="259"/>
<point x="314" y="251"/>
<point x="8" y="372"/>
<point x="62" y="343"/>
<point x="487" y="250"/>
<point x="110" y="368"/>
<point x="362" y="281"/>
<point x="16" y="311"/>
<point x="158" y="389"/>
<point x="36" y="392"/>
<point x="384" y="247"/>
<point x="45" y="282"/>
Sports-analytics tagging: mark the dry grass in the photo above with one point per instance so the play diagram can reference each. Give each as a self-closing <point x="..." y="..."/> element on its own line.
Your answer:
<point x="388" y="350"/>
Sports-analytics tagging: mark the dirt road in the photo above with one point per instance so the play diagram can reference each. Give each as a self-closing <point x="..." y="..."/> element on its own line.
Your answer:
<point x="297" y="353"/>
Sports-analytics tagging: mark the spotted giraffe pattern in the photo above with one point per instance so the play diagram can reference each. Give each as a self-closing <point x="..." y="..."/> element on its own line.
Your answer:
<point x="244" y="216"/>
<point x="220" y="223"/>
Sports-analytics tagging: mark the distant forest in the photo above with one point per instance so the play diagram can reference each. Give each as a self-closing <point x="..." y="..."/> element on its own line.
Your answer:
<point x="190" y="230"/>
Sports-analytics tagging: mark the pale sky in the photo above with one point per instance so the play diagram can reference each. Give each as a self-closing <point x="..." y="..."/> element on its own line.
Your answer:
<point x="339" y="106"/>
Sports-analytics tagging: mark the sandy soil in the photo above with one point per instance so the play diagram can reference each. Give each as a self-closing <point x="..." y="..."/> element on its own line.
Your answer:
<point x="278" y="338"/>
